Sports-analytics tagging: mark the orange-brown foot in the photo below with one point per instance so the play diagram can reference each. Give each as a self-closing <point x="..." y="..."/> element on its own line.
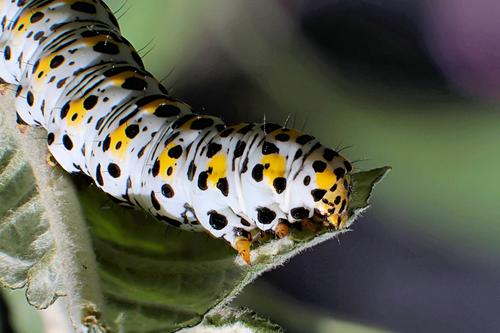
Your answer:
<point x="243" y="248"/>
<point x="4" y="87"/>
<point x="22" y="128"/>
<point x="308" y="225"/>
<point x="343" y="221"/>
<point x="51" y="161"/>
<point x="281" y="229"/>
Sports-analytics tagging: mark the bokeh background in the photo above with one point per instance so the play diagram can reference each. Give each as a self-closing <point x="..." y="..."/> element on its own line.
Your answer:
<point x="411" y="84"/>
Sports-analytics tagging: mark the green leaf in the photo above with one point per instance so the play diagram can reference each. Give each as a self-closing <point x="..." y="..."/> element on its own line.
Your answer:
<point x="44" y="244"/>
<point x="153" y="278"/>
<point x="236" y="320"/>
<point x="363" y="184"/>
<point x="158" y="278"/>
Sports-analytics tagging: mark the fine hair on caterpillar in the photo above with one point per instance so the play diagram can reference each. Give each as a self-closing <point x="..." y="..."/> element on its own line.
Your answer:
<point x="110" y="119"/>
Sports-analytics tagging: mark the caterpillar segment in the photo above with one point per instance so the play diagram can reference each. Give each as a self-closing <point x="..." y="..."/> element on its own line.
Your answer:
<point x="108" y="118"/>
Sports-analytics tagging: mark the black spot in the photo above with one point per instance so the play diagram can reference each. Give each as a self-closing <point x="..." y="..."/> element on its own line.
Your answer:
<point x="298" y="154"/>
<point x="318" y="194"/>
<point x="238" y="232"/>
<point x="300" y="213"/>
<point x="225" y="133"/>
<point x="282" y="137"/>
<point x="113" y="19"/>
<point x="329" y="154"/>
<point x="245" y="222"/>
<point x="6" y="52"/>
<point x="279" y="184"/>
<point x="244" y="166"/>
<point x="61" y="82"/>
<point x="38" y="35"/>
<point x="175" y="152"/>
<point x="171" y="138"/>
<point x="170" y="170"/>
<point x="269" y="148"/>
<point x="333" y="188"/>
<point x="154" y="201"/>
<point x="240" y="148"/>
<point x="56" y="61"/>
<point x="223" y="186"/>
<point x="247" y="128"/>
<point x="191" y="171"/>
<point x="64" y="110"/>
<point x="68" y="144"/>
<point x="35" y="66"/>
<point x="90" y="102"/>
<point x="337" y="200"/>
<point x="202" y="180"/>
<point x="265" y="215"/>
<point x="132" y="130"/>
<point x="344" y="202"/>
<point x="36" y="17"/>
<point x="156" y="168"/>
<point x="98" y="177"/>
<point x="348" y="166"/>
<point x="74" y="116"/>
<point x="257" y="172"/>
<point x="118" y="145"/>
<point x="307" y="180"/>
<point x="213" y="148"/>
<point x="182" y="120"/>
<point x="165" y="111"/>
<point x="50" y="138"/>
<point x="303" y="139"/>
<point x="270" y="127"/>
<point x="319" y="166"/>
<point x="169" y="221"/>
<point x="339" y="172"/>
<point x="141" y="152"/>
<point x="216" y="220"/>
<point x="167" y="191"/>
<point x="114" y="170"/>
<point x="30" y="98"/>
<point x="106" y="47"/>
<point x="201" y="123"/>
<point x="116" y="70"/>
<point x="18" y="90"/>
<point x="138" y="61"/>
<point x="134" y="83"/>
<point x="106" y="143"/>
<point x="84" y="7"/>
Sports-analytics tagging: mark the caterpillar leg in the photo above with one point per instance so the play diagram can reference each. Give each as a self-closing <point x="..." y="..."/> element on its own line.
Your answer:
<point x="266" y="218"/>
<point x="226" y="224"/>
<point x="4" y="87"/>
<point x="240" y="240"/>
<point x="308" y="225"/>
<point x="22" y="128"/>
<point x="51" y="161"/>
<point x="281" y="229"/>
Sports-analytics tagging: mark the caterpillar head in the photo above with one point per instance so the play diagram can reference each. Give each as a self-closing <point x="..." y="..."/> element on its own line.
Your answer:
<point x="324" y="188"/>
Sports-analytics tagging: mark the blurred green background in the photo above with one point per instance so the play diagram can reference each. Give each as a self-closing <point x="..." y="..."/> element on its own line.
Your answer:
<point x="411" y="84"/>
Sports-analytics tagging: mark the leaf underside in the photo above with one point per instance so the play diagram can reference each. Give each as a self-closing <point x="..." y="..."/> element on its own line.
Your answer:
<point x="159" y="278"/>
<point x="154" y="278"/>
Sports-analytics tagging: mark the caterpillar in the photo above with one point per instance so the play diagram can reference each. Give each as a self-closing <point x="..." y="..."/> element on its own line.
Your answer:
<point x="110" y="119"/>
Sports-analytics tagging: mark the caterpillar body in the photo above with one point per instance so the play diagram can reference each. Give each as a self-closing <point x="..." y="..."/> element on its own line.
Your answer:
<point x="108" y="118"/>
